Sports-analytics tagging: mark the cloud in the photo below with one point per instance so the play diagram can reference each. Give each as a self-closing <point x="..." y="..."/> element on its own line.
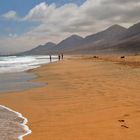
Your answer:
<point x="90" y="17"/>
<point x="57" y="22"/>
<point x="12" y="35"/>
<point x="11" y="15"/>
<point x="70" y="18"/>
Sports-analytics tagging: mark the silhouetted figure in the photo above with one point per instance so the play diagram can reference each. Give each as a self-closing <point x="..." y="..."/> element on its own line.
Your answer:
<point x="59" y="57"/>
<point x="62" y="55"/>
<point x="95" y="57"/>
<point x="50" y="58"/>
<point x="122" y="57"/>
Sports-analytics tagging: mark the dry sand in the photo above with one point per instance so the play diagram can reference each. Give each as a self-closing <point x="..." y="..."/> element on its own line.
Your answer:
<point x="85" y="99"/>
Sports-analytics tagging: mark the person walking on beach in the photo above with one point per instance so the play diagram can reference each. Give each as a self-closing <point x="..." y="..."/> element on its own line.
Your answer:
<point x="62" y="56"/>
<point x="59" y="57"/>
<point x="50" y="58"/>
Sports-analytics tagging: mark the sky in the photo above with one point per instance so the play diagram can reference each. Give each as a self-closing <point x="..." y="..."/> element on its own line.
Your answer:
<point x="25" y="24"/>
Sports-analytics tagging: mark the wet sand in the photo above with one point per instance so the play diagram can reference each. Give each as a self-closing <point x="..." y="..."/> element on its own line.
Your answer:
<point x="16" y="82"/>
<point x="84" y="99"/>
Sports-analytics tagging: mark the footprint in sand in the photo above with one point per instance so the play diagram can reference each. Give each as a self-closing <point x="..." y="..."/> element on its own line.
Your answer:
<point x="124" y="124"/>
<point x="126" y="115"/>
<point x="121" y="120"/>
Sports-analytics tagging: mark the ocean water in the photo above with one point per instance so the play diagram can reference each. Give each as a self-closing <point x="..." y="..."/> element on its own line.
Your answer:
<point x="12" y="64"/>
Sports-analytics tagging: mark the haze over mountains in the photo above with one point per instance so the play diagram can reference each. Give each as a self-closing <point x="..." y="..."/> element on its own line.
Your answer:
<point x="114" y="40"/>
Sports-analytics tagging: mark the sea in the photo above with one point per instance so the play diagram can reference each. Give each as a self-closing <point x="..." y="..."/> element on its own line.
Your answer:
<point x="14" y="77"/>
<point x="14" y="64"/>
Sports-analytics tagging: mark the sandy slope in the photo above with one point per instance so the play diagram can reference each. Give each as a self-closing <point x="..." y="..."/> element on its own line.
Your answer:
<point x="85" y="99"/>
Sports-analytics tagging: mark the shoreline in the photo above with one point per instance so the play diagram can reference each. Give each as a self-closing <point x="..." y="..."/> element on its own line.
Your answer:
<point x="22" y="80"/>
<point x="17" y="78"/>
<point x="24" y="124"/>
<point x="78" y="104"/>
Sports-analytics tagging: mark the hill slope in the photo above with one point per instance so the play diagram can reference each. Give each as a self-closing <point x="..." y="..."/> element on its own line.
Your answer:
<point x="115" y="39"/>
<point x="40" y="50"/>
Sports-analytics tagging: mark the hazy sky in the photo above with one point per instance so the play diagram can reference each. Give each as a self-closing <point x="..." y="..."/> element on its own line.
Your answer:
<point x="27" y="23"/>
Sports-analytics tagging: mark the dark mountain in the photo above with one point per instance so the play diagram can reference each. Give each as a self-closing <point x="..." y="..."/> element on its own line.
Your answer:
<point x="131" y="45"/>
<point x="68" y="44"/>
<point x="101" y="40"/>
<point x="132" y="31"/>
<point x="129" y="42"/>
<point x="40" y="50"/>
<point x="111" y="33"/>
<point x="115" y="39"/>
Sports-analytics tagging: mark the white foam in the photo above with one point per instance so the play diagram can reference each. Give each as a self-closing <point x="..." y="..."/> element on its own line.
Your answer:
<point x="22" y="63"/>
<point x="26" y="128"/>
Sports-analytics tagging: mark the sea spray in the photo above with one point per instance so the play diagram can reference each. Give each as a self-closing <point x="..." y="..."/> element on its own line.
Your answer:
<point x="12" y="64"/>
<point x="12" y="124"/>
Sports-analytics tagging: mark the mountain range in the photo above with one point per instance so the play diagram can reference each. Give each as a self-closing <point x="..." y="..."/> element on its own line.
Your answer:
<point x="113" y="40"/>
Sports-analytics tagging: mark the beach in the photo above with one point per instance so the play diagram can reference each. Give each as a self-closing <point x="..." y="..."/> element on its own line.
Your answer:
<point x="84" y="98"/>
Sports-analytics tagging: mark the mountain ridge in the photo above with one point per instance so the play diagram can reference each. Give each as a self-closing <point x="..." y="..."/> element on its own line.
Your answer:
<point x="106" y="40"/>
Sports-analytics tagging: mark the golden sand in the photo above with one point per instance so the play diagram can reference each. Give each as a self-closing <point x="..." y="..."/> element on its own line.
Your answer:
<point x="84" y="99"/>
